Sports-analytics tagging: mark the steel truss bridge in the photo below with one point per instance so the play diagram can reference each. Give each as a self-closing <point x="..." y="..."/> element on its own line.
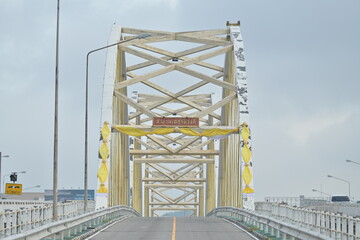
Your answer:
<point x="193" y="75"/>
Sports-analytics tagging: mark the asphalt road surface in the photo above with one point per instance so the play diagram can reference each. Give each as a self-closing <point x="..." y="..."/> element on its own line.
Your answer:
<point x="167" y="228"/>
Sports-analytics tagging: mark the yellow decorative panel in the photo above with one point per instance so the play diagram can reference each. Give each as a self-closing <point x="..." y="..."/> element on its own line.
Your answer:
<point x="246" y="153"/>
<point x="102" y="189"/>
<point x="245" y="132"/>
<point x="247" y="176"/>
<point x="104" y="151"/>
<point x="248" y="190"/>
<point x="246" y="156"/>
<point x="105" y="131"/>
<point x="103" y="173"/>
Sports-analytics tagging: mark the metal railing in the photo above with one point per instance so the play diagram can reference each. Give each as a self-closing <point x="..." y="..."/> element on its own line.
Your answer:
<point x="265" y="226"/>
<point x="300" y="201"/>
<point x="8" y="204"/>
<point x="31" y="216"/>
<point x="76" y="227"/>
<point x="332" y="225"/>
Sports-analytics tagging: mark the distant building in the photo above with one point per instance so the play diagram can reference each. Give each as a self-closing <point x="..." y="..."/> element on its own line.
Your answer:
<point x="30" y="196"/>
<point x="69" y="194"/>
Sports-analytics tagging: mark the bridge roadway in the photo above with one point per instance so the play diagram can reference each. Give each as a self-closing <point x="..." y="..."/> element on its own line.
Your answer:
<point x="167" y="228"/>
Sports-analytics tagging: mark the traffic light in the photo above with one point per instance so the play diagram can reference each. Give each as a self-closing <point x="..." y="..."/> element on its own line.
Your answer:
<point x="13" y="177"/>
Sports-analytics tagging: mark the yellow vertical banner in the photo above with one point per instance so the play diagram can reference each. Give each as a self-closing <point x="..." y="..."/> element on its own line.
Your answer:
<point x="103" y="172"/>
<point x="246" y="156"/>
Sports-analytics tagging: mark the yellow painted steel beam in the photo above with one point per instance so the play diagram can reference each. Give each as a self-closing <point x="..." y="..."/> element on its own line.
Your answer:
<point x="173" y="160"/>
<point x="184" y="152"/>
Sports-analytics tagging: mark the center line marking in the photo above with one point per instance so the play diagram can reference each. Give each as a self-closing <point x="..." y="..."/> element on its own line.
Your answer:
<point x="173" y="236"/>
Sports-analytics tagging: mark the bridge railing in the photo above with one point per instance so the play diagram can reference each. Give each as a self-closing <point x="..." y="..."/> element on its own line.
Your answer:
<point x="333" y="225"/>
<point x="29" y="216"/>
<point x="9" y="204"/>
<point x="265" y="226"/>
<point x="77" y="227"/>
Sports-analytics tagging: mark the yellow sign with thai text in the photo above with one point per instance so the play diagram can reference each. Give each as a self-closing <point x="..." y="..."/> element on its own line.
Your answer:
<point x="175" y="122"/>
<point x="14" y="189"/>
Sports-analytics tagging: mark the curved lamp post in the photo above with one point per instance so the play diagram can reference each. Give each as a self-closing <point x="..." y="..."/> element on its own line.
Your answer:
<point x="37" y="186"/>
<point x="314" y="190"/>
<point x="330" y="176"/>
<point x="145" y="35"/>
<point x="351" y="161"/>
<point x="2" y="156"/>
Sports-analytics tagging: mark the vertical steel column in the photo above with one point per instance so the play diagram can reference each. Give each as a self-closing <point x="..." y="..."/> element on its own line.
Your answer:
<point x="146" y="194"/>
<point x="123" y="152"/>
<point x="229" y="172"/>
<point x="201" y="194"/>
<point x="137" y="186"/>
<point x="210" y="179"/>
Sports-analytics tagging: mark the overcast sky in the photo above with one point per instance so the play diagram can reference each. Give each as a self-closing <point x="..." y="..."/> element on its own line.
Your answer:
<point x="303" y="70"/>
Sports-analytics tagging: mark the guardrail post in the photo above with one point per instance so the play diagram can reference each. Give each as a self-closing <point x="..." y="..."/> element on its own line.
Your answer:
<point x="344" y="227"/>
<point x="313" y="221"/>
<point x="272" y="232"/>
<point x="12" y="223"/>
<point x="318" y="221"/>
<point x="332" y="225"/>
<point x="338" y="227"/>
<point x="278" y="233"/>
<point x="7" y="224"/>
<point x="2" y="224"/>
<point x="20" y="221"/>
<point x="266" y="228"/>
<point x="323" y="223"/>
<point x="351" y="228"/>
<point x="357" y="228"/>
<point x="33" y="218"/>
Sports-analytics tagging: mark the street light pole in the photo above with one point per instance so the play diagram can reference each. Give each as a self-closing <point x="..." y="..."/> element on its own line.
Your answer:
<point x="55" y="167"/>
<point x="314" y="190"/>
<point x="145" y="35"/>
<point x="2" y="156"/>
<point x="351" y="161"/>
<point x="37" y="186"/>
<point x="330" y="176"/>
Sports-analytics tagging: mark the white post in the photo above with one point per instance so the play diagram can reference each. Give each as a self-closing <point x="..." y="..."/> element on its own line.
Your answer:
<point x="338" y="227"/>
<point x="278" y="234"/>
<point x="12" y="223"/>
<point x="266" y="228"/>
<point x="8" y="224"/>
<point x="284" y="236"/>
<point x="2" y="221"/>
<point x="318" y="220"/>
<point x="344" y="226"/>
<point x="332" y="223"/>
<point x="322" y="223"/>
<point x="351" y="228"/>
<point x="357" y="228"/>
